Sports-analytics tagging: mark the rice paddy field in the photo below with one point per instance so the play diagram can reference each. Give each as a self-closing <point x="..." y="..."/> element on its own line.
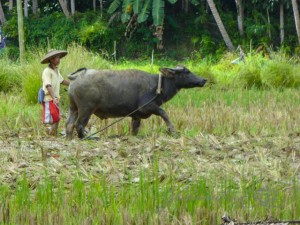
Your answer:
<point x="236" y="151"/>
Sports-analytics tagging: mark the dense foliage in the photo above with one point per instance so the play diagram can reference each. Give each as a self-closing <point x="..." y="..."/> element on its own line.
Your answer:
<point x="189" y="29"/>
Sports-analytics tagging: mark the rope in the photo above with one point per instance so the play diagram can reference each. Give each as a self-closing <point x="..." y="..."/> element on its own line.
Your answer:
<point x="103" y="129"/>
<point x="227" y="221"/>
<point x="266" y="222"/>
<point x="158" y="92"/>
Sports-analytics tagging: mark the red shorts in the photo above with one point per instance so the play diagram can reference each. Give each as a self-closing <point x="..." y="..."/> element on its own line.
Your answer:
<point x="51" y="113"/>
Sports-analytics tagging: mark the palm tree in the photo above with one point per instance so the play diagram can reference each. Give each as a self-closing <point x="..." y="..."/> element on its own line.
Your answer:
<point x="94" y="5"/>
<point x="26" y="8"/>
<point x="21" y="31"/>
<point x="297" y="20"/>
<point x="221" y="27"/>
<point x="281" y="7"/>
<point x="64" y="6"/>
<point x="11" y="5"/>
<point x="2" y="16"/>
<point x="72" y="7"/>
<point x="240" y="5"/>
<point x="35" y="7"/>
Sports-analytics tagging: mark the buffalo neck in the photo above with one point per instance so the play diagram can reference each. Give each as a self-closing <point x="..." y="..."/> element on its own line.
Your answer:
<point x="169" y="89"/>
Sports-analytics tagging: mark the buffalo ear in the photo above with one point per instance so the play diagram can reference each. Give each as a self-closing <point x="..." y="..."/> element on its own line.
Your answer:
<point x="167" y="72"/>
<point x="180" y="68"/>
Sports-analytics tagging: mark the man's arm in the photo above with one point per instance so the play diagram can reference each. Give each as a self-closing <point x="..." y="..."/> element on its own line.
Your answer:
<point x="51" y="92"/>
<point x="65" y="82"/>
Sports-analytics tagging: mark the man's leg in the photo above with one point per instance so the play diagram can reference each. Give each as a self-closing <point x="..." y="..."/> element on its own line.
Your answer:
<point x="53" y="129"/>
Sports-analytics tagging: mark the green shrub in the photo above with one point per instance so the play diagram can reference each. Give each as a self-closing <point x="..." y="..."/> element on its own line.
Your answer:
<point x="296" y="72"/>
<point x="32" y="81"/>
<point x="249" y="76"/>
<point x="225" y="72"/>
<point x="278" y="74"/>
<point x="10" y="76"/>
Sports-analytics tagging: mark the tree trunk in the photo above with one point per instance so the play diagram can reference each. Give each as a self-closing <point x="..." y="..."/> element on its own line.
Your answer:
<point x="101" y="7"/>
<point x="26" y="8"/>
<point x="21" y="31"/>
<point x="11" y="5"/>
<point x="185" y="5"/>
<point x="269" y="24"/>
<point x="297" y="20"/>
<point x="2" y="15"/>
<point x="281" y="22"/>
<point x="221" y="27"/>
<point x="35" y="7"/>
<point x="72" y="7"/>
<point x="241" y="15"/>
<point x="94" y="5"/>
<point x="64" y="6"/>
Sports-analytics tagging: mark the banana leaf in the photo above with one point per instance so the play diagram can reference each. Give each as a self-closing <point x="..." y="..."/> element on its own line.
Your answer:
<point x="143" y="15"/>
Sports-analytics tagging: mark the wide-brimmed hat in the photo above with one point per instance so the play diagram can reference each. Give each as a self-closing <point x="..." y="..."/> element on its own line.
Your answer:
<point x="53" y="53"/>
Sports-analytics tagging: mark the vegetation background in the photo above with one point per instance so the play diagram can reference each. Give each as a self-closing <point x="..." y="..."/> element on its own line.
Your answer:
<point x="237" y="149"/>
<point x="177" y="29"/>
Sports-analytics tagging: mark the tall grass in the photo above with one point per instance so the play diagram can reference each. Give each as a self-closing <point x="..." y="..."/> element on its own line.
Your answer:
<point x="257" y="71"/>
<point x="149" y="201"/>
<point x="206" y="110"/>
<point x="16" y="116"/>
<point x="10" y="76"/>
<point x="27" y="78"/>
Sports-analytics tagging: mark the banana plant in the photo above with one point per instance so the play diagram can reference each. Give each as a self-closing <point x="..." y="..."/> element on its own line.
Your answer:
<point x="142" y="8"/>
<point x="139" y="10"/>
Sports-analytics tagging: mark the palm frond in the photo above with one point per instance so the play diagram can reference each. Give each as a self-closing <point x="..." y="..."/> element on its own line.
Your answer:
<point x="143" y="15"/>
<point x="114" y="6"/>
<point x="158" y="12"/>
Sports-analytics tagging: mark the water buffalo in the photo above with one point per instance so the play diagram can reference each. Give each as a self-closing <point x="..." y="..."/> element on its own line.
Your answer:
<point x="117" y="93"/>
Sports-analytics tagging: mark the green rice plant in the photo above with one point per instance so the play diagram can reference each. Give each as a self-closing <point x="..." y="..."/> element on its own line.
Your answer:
<point x="149" y="201"/>
<point x="4" y="204"/>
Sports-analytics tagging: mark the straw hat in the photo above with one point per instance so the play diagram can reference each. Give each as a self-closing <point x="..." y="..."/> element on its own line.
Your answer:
<point x="53" y="53"/>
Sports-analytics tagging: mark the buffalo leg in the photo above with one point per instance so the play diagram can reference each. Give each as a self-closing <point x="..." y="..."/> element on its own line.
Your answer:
<point x="83" y="119"/>
<point x="135" y="126"/>
<point x="165" y="117"/>
<point x="73" y="113"/>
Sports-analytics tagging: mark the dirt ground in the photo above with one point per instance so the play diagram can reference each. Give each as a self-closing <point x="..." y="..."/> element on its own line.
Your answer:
<point x="121" y="159"/>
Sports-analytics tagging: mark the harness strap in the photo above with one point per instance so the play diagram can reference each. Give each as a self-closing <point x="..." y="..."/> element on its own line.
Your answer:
<point x="159" y="89"/>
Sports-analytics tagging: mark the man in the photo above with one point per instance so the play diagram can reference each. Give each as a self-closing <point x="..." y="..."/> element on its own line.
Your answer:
<point x="51" y="86"/>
